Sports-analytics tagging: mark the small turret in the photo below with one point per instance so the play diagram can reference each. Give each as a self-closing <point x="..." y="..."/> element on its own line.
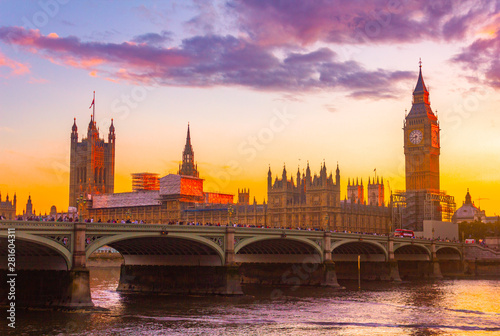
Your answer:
<point x="468" y="198"/>
<point x="337" y="175"/>
<point x="74" y="132"/>
<point x="298" y="176"/>
<point x="269" y="178"/>
<point x="111" y="135"/>
<point x="308" y="175"/>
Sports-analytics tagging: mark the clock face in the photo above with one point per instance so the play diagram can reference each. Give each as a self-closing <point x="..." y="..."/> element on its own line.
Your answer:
<point x="416" y="137"/>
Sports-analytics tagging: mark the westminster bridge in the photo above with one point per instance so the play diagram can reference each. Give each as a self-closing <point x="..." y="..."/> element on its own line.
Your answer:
<point x="50" y="258"/>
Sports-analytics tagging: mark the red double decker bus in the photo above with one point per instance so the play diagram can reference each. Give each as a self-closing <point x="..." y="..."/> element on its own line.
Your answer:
<point x="404" y="233"/>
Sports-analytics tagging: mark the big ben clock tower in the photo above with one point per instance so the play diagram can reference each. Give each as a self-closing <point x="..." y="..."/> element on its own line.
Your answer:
<point x="421" y="142"/>
<point x="421" y="148"/>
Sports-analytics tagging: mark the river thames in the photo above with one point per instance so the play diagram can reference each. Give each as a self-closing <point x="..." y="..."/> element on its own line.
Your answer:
<point x="445" y="307"/>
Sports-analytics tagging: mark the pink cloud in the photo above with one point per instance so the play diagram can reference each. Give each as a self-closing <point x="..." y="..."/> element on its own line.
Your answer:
<point x="16" y="68"/>
<point x="34" y="80"/>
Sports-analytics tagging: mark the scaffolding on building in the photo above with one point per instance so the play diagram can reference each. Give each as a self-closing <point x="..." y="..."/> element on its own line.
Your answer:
<point x="145" y="181"/>
<point x="439" y="203"/>
<point x="411" y="208"/>
<point x="398" y="205"/>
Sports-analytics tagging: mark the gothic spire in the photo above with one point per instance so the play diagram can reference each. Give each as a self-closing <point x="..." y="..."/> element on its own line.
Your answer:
<point x="188" y="167"/>
<point x="188" y="149"/>
<point x="420" y="87"/>
<point x="420" y="94"/>
<point x="421" y="105"/>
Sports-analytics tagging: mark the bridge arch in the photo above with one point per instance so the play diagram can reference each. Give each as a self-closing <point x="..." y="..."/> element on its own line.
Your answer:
<point x="409" y="251"/>
<point x="448" y="253"/>
<point x="154" y="249"/>
<point x="32" y="251"/>
<point x="270" y="249"/>
<point x="349" y="249"/>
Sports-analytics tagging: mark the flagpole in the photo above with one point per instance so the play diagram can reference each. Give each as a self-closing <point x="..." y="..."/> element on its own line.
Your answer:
<point x="93" y="110"/>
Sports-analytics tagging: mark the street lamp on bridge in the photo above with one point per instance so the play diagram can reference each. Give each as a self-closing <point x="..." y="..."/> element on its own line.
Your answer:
<point x="230" y="212"/>
<point x="80" y="203"/>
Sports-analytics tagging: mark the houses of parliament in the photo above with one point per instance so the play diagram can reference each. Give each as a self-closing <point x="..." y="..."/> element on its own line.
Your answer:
<point x="299" y="200"/>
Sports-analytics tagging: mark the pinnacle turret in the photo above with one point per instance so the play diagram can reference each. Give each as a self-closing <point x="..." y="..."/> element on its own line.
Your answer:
<point x="188" y="166"/>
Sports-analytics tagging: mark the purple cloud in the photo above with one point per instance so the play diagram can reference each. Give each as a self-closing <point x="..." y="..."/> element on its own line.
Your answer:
<point x="153" y="39"/>
<point x="213" y="60"/>
<point x="337" y="21"/>
<point x="482" y="54"/>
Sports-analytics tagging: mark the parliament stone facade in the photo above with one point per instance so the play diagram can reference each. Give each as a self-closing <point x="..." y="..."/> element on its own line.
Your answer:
<point x="306" y="202"/>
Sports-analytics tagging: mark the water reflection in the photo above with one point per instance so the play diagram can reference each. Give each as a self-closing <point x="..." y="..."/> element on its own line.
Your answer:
<point x="380" y="308"/>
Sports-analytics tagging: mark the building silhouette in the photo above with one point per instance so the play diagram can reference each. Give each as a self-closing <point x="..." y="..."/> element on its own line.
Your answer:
<point x="8" y="207"/>
<point x="311" y="201"/>
<point x="29" y="208"/>
<point x="306" y="202"/>
<point x="469" y="212"/>
<point x="92" y="163"/>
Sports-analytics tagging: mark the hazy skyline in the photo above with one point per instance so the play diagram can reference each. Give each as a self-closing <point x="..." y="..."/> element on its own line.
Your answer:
<point x="260" y="82"/>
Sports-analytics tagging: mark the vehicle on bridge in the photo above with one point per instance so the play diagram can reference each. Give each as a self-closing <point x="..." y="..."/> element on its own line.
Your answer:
<point x="404" y="233"/>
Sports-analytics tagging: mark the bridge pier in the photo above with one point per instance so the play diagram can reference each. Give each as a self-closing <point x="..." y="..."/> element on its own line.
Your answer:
<point x="330" y="276"/>
<point x="77" y="292"/>
<point x="78" y="287"/>
<point x="394" y="271"/>
<point x="436" y="268"/>
<point x="393" y="264"/>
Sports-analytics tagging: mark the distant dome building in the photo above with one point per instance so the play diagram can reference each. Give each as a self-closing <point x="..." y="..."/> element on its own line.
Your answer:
<point x="468" y="212"/>
<point x="53" y="211"/>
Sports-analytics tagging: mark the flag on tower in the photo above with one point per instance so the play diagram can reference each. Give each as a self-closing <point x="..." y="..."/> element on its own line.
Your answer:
<point x="93" y="101"/>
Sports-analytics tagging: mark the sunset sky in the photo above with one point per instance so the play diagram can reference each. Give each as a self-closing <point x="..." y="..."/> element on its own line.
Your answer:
<point x="261" y="83"/>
